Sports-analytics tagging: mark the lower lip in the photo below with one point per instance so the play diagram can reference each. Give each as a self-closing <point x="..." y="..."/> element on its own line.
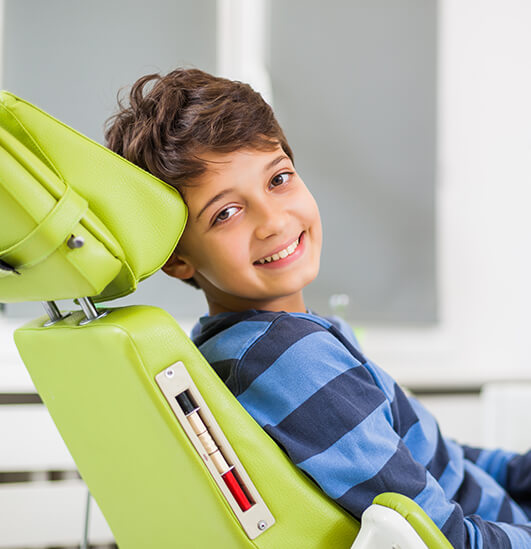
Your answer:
<point x="287" y="260"/>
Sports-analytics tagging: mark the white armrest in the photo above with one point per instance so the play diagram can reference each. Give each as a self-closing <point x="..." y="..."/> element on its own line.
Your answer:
<point x="384" y="528"/>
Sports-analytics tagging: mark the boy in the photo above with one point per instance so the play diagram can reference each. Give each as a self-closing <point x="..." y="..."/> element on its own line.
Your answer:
<point x="251" y="244"/>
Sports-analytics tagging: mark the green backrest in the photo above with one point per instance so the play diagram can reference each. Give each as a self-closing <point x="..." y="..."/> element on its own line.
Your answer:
<point x="98" y="383"/>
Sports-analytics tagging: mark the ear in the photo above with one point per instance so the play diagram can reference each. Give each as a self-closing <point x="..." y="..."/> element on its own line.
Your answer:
<point x="178" y="267"/>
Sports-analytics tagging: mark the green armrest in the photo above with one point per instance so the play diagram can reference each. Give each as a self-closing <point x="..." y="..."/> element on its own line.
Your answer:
<point x="415" y="515"/>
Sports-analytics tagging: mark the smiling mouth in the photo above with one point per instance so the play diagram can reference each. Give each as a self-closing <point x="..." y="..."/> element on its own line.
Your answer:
<point x="282" y="254"/>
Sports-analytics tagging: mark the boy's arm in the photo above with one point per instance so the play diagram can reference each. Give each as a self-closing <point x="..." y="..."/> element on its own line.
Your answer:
<point x="510" y="470"/>
<point x="325" y="409"/>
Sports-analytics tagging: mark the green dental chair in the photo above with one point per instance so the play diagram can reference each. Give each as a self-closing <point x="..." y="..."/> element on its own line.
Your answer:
<point x="168" y="453"/>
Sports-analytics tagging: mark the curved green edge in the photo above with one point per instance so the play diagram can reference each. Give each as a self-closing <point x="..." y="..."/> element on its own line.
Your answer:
<point x="417" y="517"/>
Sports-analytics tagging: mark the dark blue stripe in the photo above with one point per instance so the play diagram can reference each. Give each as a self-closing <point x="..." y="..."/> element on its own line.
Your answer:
<point x="469" y="494"/>
<point x="519" y="478"/>
<point x="334" y="410"/>
<point x="440" y="459"/>
<point x="493" y="536"/>
<point x="404" y="417"/>
<point x="358" y="355"/>
<point x="470" y="453"/>
<point x="283" y="332"/>
<point x="224" y="368"/>
<point x="454" y="529"/>
<point x="505" y="513"/>
<point x="525" y="506"/>
<point x="400" y="474"/>
<point x="215" y="326"/>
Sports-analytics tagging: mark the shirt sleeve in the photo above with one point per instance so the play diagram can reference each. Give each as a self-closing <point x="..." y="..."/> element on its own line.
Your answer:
<point x="325" y="409"/>
<point x="509" y="469"/>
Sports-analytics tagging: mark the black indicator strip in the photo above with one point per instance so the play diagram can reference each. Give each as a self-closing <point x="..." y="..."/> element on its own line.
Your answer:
<point x="224" y="469"/>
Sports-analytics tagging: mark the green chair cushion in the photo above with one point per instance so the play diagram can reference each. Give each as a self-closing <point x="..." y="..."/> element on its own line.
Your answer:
<point x="98" y="383"/>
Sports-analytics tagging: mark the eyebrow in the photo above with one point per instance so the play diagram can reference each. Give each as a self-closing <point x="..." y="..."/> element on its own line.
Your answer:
<point x="276" y="161"/>
<point x="220" y="195"/>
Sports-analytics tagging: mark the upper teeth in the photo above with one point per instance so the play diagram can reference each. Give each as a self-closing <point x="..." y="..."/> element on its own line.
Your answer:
<point x="282" y="254"/>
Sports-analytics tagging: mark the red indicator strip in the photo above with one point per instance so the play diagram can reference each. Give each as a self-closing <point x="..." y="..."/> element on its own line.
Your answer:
<point x="223" y="468"/>
<point x="236" y="490"/>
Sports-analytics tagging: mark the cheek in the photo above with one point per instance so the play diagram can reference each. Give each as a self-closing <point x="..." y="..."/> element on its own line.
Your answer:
<point x="307" y="207"/>
<point x="312" y="218"/>
<point x="225" y="257"/>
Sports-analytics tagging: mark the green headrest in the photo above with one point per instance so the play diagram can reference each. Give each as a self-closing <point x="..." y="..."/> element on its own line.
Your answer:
<point x="56" y="184"/>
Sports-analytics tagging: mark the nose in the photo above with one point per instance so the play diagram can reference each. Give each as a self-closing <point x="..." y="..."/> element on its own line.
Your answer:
<point x="271" y="219"/>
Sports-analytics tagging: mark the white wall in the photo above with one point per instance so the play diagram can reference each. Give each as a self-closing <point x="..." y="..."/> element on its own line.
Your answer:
<point x="484" y="227"/>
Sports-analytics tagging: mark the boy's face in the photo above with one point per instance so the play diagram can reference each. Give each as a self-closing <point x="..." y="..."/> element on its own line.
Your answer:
<point x="253" y="237"/>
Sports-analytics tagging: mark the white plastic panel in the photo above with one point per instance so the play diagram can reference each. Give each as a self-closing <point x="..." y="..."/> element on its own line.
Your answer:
<point x="383" y="528"/>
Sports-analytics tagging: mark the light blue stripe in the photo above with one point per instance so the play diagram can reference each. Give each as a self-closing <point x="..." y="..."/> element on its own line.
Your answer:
<point x="492" y="496"/>
<point x="356" y="457"/>
<point x="434" y="502"/>
<point x="495" y="463"/>
<point x="453" y="475"/>
<point x="519" y="517"/>
<point x="519" y="538"/>
<point x="234" y="341"/>
<point x="491" y="493"/>
<point x="314" y="318"/>
<point x="474" y="534"/>
<point x="285" y="385"/>
<point x="418" y="444"/>
<point x="382" y="379"/>
<point x="344" y="327"/>
<point x="348" y="332"/>
<point x="422" y="437"/>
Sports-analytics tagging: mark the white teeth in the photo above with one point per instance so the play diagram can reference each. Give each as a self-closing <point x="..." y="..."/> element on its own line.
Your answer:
<point x="282" y="254"/>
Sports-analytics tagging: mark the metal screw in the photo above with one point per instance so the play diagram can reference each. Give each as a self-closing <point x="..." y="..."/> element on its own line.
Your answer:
<point x="169" y="372"/>
<point x="262" y="525"/>
<point x="75" y="242"/>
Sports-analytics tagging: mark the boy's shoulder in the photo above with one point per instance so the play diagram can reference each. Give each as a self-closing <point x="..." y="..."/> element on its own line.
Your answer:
<point x="256" y="323"/>
<point x="242" y="346"/>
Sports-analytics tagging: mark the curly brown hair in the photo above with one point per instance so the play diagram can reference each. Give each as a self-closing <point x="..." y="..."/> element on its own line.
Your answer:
<point x="172" y="119"/>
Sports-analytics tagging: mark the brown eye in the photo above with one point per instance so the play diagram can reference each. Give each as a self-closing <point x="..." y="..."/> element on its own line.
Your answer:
<point x="225" y="214"/>
<point x="280" y="179"/>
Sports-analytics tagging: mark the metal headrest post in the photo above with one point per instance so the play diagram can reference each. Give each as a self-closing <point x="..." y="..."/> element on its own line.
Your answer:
<point x="53" y="312"/>
<point x="91" y="313"/>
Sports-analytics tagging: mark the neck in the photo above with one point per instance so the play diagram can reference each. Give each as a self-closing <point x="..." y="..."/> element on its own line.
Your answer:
<point x="289" y="304"/>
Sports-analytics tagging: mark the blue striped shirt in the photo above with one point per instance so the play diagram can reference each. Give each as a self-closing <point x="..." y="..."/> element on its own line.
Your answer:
<point x="351" y="428"/>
